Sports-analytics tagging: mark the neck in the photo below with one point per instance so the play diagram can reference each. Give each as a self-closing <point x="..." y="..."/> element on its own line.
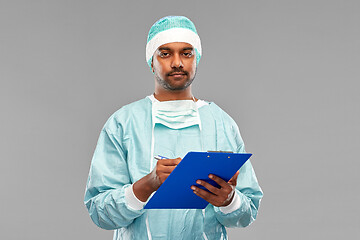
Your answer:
<point x="165" y="95"/>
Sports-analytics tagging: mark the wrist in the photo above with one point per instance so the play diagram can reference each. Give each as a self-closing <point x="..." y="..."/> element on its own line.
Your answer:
<point x="153" y="181"/>
<point x="229" y="200"/>
<point x="234" y="205"/>
<point x="144" y="187"/>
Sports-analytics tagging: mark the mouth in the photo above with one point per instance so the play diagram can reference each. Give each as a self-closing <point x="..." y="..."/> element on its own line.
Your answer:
<point x="177" y="74"/>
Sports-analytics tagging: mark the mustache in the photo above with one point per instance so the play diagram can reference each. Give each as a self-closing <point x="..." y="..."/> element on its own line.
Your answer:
<point x="177" y="70"/>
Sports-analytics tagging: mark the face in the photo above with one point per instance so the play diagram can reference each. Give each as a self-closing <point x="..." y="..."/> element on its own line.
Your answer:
<point x="174" y="65"/>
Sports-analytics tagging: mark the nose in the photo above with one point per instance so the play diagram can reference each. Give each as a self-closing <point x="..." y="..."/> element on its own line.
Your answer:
<point x="176" y="61"/>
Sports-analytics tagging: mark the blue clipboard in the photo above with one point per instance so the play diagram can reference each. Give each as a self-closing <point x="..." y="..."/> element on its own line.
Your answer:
<point x="176" y="193"/>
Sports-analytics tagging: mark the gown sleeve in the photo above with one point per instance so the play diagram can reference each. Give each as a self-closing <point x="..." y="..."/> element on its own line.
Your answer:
<point x="108" y="179"/>
<point x="247" y="188"/>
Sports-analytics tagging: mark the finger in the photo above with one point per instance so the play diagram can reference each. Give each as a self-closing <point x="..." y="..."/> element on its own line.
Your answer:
<point x="233" y="180"/>
<point x="169" y="162"/>
<point x="177" y="160"/>
<point x="235" y="175"/>
<point x="163" y="177"/>
<point x="219" y="181"/>
<point x="165" y="169"/>
<point x="209" y="187"/>
<point x="209" y="197"/>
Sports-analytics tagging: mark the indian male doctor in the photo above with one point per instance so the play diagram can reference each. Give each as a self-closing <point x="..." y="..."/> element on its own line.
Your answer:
<point x="170" y="122"/>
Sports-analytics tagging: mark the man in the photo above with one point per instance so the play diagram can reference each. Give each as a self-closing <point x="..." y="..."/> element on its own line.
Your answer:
<point x="171" y="122"/>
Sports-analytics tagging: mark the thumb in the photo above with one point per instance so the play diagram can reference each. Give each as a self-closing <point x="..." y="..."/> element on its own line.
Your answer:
<point x="233" y="180"/>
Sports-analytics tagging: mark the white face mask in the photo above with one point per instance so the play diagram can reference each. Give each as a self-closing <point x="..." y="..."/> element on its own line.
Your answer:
<point x="173" y="114"/>
<point x="176" y="114"/>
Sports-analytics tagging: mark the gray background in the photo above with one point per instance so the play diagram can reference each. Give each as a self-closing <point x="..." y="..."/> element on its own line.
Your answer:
<point x="286" y="71"/>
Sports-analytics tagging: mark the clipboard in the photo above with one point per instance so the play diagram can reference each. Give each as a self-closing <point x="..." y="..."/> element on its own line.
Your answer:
<point x="176" y="193"/>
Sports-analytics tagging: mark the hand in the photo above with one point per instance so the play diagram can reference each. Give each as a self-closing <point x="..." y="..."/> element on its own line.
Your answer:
<point x="145" y="186"/>
<point x="219" y="197"/>
<point x="162" y="170"/>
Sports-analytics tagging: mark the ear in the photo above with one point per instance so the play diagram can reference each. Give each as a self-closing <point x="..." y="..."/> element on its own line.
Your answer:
<point x="152" y="65"/>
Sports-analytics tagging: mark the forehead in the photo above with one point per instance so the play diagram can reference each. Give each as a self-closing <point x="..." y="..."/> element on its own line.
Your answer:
<point x="175" y="46"/>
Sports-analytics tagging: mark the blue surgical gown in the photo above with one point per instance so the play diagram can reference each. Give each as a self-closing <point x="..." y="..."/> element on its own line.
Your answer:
<point x="123" y="154"/>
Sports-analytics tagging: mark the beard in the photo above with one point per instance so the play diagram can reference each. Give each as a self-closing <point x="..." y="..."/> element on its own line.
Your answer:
<point x="166" y="84"/>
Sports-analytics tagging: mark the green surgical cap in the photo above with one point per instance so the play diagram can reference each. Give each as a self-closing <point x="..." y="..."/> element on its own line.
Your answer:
<point x="172" y="29"/>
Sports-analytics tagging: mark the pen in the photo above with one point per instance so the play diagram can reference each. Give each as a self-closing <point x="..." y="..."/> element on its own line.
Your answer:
<point x="158" y="157"/>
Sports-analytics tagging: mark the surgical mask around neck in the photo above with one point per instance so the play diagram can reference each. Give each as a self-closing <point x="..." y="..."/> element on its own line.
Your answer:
<point x="176" y="114"/>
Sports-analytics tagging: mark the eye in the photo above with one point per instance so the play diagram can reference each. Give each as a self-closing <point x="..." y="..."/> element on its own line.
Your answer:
<point x="164" y="54"/>
<point x="188" y="54"/>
